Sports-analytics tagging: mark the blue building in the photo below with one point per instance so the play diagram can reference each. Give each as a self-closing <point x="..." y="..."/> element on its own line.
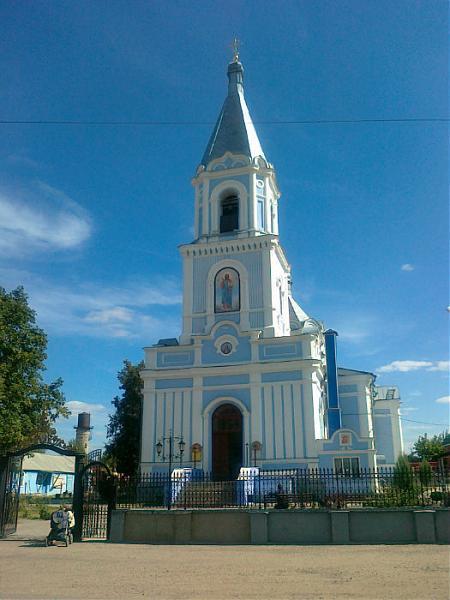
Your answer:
<point x="47" y="474"/>
<point x="253" y="379"/>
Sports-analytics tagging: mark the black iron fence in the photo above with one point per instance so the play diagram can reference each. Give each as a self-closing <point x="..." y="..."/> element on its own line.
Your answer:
<point x="293" y="488"/>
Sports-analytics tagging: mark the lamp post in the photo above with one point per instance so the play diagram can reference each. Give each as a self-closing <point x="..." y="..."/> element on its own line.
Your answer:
<point x="165" y="448"/>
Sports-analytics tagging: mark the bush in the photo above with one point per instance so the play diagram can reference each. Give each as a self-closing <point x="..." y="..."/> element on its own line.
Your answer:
<point x="425" y="473"/>
<point x="403" y="474"/>
<point x="45" y="513"/>
<point x="34" y="507"/>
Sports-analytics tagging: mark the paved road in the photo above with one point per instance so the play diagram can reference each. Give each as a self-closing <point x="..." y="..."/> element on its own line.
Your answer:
<point x="28" y="570"/>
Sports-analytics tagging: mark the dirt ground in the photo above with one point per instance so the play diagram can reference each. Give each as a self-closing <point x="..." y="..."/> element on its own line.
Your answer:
<point x="100" y="570"/>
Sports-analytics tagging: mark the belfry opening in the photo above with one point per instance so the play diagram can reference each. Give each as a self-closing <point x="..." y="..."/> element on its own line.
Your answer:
<point x="229" y="217"/>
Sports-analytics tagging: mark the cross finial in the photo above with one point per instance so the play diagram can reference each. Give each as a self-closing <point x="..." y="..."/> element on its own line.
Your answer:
<point x="235" y="46"/>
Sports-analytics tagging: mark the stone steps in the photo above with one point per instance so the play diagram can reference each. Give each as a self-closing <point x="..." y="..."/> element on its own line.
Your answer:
<point x="207" y="494"/>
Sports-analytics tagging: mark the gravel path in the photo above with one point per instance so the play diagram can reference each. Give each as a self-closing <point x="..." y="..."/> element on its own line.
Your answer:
<point x="28" y="570"/>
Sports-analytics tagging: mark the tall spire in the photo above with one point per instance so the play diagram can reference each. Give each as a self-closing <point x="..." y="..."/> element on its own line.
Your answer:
<point x="234" y="131"/>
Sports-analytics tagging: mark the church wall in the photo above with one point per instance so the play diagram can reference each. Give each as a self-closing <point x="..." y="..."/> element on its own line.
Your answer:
<point x="165" y="411"/>
<point x="366" y="461"/>
<point x="210" y="355"/>
<point x="350" y="412"/>
<point x="318" y="407"/>
<point x="383" y="436"/>
<point x="279" y="300"/>
<point x="345" y="443"/>
<point x="241" y="394"/>
<point x="282" y="421"/>
<point x="202" y="265"/>
<point x="356" y="403"/>
<point x="274" y="350"/>
<point x="387" y="430"/>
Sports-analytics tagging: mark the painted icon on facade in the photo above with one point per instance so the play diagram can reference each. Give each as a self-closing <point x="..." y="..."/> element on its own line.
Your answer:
<point x="226" y="289"/>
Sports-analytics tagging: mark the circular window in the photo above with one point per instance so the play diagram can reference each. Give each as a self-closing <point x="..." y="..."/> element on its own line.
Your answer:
<point x="226" y="347"/>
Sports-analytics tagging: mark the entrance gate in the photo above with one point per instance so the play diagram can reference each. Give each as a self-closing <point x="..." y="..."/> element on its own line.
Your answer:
<point x="10" y="477"/>
<point x="10" y="472"/>
<point x="93" y="494"/>
<point x="98" y="500"/>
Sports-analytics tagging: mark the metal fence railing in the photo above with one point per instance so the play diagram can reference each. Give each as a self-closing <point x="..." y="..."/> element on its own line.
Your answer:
<point x="292" y="488"/>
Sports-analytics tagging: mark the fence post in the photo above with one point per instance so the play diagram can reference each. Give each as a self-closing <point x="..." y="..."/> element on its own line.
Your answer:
<point x="259" y="488"/>
<point x="77" y="500"/>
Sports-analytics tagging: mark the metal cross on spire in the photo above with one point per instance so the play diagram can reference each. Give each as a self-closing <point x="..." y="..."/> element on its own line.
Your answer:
<point x="235" y="46"/>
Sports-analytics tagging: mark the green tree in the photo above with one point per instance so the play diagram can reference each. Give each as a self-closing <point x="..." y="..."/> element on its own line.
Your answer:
<point x="124" y="427"/>
<point x="425" y="473"/>
<point x="403" y="477"/>
<point x="29" y="407"/>
<point x="426" y="448"/>
<point x="75" y="446"/>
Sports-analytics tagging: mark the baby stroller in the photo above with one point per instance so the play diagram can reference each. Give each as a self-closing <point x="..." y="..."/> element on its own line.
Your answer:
<point x="59" y="529"/>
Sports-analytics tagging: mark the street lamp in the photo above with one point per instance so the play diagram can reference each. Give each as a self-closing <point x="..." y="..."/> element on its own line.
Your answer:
<point x="165" y="448"/>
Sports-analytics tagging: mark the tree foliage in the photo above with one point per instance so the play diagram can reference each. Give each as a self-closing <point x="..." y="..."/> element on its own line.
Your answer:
<point x="403" y="478"/>
<point x="124" y="427"/>
<point x="428" y="448"/>
<point x="425" y="473"/>
<point x="76" y="446"/>
<point x="29" y="407"/>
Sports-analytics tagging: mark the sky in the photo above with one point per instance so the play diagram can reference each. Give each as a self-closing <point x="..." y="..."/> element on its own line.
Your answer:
<point x="91" y="214"/>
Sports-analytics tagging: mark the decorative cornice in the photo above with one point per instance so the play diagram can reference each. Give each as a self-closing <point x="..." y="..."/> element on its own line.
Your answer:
<point x="247" y="244"/>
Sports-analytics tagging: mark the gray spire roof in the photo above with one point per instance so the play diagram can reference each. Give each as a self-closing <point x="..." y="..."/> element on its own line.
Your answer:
<point x="234" y="131"/>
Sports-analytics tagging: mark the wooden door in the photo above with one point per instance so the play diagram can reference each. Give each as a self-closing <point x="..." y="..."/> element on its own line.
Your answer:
<point x="226" y="442"/>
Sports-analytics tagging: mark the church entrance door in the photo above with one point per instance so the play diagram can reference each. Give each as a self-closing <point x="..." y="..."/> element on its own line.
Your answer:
<point x="226" y="442"/>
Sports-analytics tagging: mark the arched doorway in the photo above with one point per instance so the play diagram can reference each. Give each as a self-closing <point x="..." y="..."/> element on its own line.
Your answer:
<point x="226" y="442"/>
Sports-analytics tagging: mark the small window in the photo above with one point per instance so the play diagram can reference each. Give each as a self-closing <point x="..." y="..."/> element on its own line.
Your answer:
<point x="229" y="214"/>
<point x="347" y="467"/>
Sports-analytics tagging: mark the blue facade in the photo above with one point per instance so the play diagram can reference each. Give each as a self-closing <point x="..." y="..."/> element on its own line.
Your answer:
<point x="256" y="356"/>
<point x="45" y="483"/>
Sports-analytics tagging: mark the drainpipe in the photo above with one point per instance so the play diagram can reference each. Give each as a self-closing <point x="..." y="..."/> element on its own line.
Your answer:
<point x="334" y="409"/>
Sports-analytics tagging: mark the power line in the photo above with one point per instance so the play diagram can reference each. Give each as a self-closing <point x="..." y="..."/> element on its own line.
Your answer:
<point x="424" y="422"/>
<point x="402" y="418"/>
<point x="209" y="123"/>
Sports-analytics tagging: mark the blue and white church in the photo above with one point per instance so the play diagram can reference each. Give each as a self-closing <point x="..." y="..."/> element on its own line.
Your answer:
<point x="253" y="380"/>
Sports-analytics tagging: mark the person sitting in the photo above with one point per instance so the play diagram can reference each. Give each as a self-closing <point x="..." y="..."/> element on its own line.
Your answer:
<point x="70" y="519"/>
<point x="58" y="527"/>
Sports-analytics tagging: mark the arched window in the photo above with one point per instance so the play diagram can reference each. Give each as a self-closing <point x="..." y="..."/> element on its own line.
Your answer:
<point x="227" y="291"/>
<point x="229" y="213"/>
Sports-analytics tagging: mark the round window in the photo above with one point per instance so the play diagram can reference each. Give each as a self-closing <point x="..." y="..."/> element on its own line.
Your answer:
<point x="226" y="348"/>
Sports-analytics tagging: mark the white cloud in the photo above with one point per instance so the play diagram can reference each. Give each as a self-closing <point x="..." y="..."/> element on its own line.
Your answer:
<point x="132" y="310"/>
<point x="407" y="267"/>
<point x="443" y="400"/>
<point x="108" y="315"/>
<point x="76" y="406"/>
<point x="405" y="366"/>
<point x="40" y="218"/>
<point x="440" y="365"/>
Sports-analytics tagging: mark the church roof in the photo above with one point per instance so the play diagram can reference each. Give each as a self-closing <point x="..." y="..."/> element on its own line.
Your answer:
<point x="234" y="131"/>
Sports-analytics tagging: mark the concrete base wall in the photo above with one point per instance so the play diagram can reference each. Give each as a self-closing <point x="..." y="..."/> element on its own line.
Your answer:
<point x="383" y="526"/>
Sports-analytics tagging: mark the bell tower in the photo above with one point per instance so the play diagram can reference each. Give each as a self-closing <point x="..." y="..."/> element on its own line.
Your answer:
<point x="235" y="268"/>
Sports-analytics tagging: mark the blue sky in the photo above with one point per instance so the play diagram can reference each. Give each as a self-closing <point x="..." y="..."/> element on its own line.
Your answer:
<point x="91" y="215"/>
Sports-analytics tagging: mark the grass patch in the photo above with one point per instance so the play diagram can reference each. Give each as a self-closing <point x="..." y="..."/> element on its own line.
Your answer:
<point x="35" y="507"/>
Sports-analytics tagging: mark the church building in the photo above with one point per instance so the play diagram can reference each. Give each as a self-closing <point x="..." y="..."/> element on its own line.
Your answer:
<point x="253" y="380"/>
